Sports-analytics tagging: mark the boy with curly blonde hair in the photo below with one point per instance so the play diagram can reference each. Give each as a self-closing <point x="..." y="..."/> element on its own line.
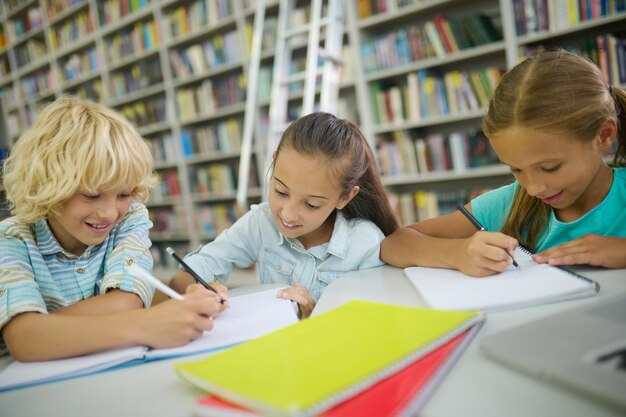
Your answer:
<point x="76" y="182"/>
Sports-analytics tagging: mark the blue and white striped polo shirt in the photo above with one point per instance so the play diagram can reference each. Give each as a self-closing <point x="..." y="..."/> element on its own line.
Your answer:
<point x="38" y="275"/>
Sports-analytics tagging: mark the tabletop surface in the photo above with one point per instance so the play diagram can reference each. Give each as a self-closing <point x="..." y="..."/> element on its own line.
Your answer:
<point x="475" y="386"/>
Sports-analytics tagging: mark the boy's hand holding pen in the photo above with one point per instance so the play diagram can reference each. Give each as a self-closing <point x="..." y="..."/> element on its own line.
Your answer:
<point x="216" y="287"/>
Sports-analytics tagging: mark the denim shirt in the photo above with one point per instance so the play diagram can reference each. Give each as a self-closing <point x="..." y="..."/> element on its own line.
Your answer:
<point x="254" y="238"/>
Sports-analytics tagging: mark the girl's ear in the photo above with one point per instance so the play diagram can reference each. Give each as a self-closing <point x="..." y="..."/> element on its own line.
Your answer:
<point x="607" y="134"/>
<point x="346" y="199"/>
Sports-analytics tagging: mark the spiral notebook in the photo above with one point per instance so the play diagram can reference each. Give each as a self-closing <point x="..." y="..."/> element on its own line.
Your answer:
<point x="530" y="284"/>
<point x="309" y="365"/>
<point x="401" y="394"/>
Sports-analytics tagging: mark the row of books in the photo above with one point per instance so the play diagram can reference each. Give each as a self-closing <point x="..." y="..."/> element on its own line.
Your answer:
<point x="142" y="37"/>
<point x="168" y="185"/>
<point x="404" y="154"/>
<point x="168" y="222"/>
<point x="80" y="64"/>
<point x="435" y="38"/>
<point x="113" y="10"/>
<point x="215" y="218"/>
<point x="55" y="7"/>
<point x="214" y="178"/>
<point x="209" y="96"/>
<point x="218" y="178"/>
<point x="421" y="205"/>
<point x="268" y="38"/>
<point x="533" y="16"/>
<point x="198" y="58"/>
<point x="197" y="16"/>
<point x="146" y="111"/>
<point x="29" y="20"/>
<point x="136" y="77"/>
<point x="31" y="51"/>
<point x="427" y="94"/>
<point x="5" y="65"/>
<point x="71" y="30"/>
<point x="367" y="8"/>
<point x="38" y="82"/>
<point x="90" y="90"/>
<point x="220" y="137"/>
<point x="162" y="147"/>
<point x="607" y="51"/>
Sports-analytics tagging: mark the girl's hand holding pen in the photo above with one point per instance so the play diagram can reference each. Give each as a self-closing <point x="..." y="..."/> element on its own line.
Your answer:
<point x="220" y="295"/>
<point x="486" y="253"/>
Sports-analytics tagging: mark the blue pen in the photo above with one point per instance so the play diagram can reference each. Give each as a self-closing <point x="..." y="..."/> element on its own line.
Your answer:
<point x="479" y="226"/>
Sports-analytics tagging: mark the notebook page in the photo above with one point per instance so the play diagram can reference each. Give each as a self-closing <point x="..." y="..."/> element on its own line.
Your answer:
<point x="26" y="373"/>
<point x="249" y="316"/>
<point x="531" y="283"/>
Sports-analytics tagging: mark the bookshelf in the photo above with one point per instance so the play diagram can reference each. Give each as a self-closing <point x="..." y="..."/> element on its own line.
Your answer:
<point x="429" y="68"/>
<point x="176" y="69"/>
<point x="421" y="72"/>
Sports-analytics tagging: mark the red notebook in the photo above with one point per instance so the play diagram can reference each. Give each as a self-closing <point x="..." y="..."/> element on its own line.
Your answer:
<point x="402" y="393"/>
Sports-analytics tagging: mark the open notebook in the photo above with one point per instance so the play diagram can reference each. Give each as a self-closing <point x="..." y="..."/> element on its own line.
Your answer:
<point x="530" y="284"/>
<point x="320" y="362"/>
<point x="249" y="316"/>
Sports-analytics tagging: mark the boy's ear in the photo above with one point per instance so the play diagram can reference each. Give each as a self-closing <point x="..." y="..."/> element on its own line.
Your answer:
<point x="607" y="134"/>
<point x="346" y="199"/>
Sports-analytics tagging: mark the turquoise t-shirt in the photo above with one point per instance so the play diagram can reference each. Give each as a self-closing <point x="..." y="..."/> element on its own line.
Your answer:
<point x="608" y="218"/>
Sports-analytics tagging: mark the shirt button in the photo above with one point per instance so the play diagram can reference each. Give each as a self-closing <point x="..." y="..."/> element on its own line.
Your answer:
<point x="1" y="292"/>
<point x="80" y="270"/>
<point x="130" y="261"/>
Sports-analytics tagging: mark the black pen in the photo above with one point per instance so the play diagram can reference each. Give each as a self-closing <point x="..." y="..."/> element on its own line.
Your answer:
<point x="191" y="271"/>
<point x="479" y="226"/>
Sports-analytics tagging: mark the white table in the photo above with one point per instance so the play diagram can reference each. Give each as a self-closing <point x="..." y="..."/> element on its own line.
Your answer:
<point x="475" y="386"/>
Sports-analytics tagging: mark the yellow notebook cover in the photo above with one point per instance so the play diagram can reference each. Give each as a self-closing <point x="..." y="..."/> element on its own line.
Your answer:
<point x="308" y="367"/>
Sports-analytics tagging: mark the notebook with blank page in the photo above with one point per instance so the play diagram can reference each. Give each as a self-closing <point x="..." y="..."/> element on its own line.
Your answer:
<point x="249" y="316"/>
<point x="531" y="284"/>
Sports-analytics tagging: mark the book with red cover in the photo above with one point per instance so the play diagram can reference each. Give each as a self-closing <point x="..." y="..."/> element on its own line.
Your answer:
<point x="400" y="394"/>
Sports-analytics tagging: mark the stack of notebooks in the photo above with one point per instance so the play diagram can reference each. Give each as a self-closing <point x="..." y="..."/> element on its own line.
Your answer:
<point x="361" y="359"/>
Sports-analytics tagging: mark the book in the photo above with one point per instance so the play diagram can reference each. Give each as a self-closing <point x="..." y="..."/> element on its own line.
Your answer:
<point x="249" y="316"/>
<point x="531" y="284"/>
<point x="309" y="365"/>
<point x="400" y="394"/>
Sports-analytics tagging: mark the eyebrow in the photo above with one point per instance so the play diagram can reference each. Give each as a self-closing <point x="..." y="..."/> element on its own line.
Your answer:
<point x="549" y="161"/>
<point x="310" y="195"/>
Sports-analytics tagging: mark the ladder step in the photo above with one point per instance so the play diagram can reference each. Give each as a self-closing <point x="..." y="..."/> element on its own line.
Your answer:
<point x="302" y="29"/>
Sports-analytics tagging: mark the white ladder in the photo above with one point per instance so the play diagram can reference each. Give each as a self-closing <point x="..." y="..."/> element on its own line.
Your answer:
<point x="329" y="53"/>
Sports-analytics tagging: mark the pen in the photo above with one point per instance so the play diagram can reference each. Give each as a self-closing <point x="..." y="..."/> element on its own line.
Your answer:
<point x="191" y="271"/>
<point x="479" y="226"/>
<point x="138" y="272"/>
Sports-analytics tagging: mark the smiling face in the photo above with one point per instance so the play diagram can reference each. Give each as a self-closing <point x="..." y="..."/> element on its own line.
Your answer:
<point x="565" y="173"/>
<point x="86" y="219"/>
<point x="302" y="197"/>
